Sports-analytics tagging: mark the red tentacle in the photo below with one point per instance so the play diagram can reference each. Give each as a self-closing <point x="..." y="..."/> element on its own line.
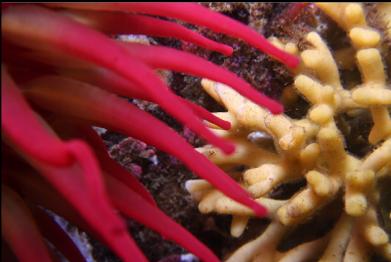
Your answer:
<point x="198" y="15"/>
<point x="121" y="23"/>
<point x="22" y="24"/>
<point x="117" y="84"/>
<point x="110" y="166"/>
<point x="75" y="206"/>
<point x="31" y="186"/>
<point x="80" y="100"/>
<point x="83" y="187"/>
<point x="17" y="117"/>
<point x="132" y="205"/>
<point x="19" y="229"/>
<point x="168" y="58"/>
<point x="57" y="236"/>
<point x="205" y="114"/>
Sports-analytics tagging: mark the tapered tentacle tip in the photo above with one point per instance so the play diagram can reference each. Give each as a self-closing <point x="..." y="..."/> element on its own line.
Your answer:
<point x="259" y="210"/>
<point x="276" y="108"/>
<point x="225" y="125"/>
<point x="227" y="147"/>
<point x="226" y="50"/>
<point x="292" y="61"/>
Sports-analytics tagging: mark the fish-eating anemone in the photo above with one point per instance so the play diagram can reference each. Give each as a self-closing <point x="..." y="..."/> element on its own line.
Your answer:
<point x="62" y="72"/>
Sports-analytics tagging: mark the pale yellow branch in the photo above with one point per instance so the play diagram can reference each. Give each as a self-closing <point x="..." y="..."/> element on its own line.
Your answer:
<point x="339" y="239"/>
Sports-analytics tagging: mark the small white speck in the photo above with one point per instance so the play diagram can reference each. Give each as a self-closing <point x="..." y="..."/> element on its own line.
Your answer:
<point x="189" y="258"/>
<point x="99" y="130"/>
<point x="154" y="160"/>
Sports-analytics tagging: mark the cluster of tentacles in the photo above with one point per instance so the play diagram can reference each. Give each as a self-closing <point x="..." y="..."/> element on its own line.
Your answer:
<point x="63" y="71"/>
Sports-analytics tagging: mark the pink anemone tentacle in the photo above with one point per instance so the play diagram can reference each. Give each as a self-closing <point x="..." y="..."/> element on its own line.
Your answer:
<point x="21" y="24"/>
<point x="159" y="57"/>
<point x="243" y="88"/>
<point x="83" y="101"/>
<point x="132" y="205"/>
<point x="121" y="23"/>
<point x="45" y="193"/>
<point x="83" y="187"/>
<point x="17" y="117"/>
<point x="75" y="129"/>
<point x="168" y="58"/>
<point x="198" y="15"/>
<point x="206" y="115"/>
<point x="110" y="166"/>
<point x="128" y="202"/>
<point x="39" y="192"/>
<point x="65" y="170"/>
<point x="57" y="236"/>
<point x="107" y="80"/>
<point x="16" y="220"/>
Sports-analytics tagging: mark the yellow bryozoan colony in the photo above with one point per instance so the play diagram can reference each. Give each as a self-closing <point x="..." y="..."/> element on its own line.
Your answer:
<point x="312" y="147"/>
